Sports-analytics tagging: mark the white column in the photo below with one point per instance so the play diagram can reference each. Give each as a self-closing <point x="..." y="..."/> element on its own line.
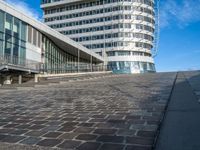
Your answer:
<point x="8" y="80"/>
<point x="91" y="62"/>
<point x="20" y="79"/>
<point x="78" y="59"/>
<point x="36" y="78"/>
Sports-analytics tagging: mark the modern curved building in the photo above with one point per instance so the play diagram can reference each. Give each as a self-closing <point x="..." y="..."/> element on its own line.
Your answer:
<point x="122" y="31"/>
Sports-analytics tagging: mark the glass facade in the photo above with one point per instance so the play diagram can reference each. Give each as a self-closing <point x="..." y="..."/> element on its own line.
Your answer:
<point x="131" y="67"/>
<point x="58" y="61"/>
<point x="12" y="39"/>
<point x="23" y="45"/>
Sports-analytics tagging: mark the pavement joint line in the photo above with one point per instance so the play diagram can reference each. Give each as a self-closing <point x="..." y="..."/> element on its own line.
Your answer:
<point x="164" y="114"/>
<point x="193" y="90"/>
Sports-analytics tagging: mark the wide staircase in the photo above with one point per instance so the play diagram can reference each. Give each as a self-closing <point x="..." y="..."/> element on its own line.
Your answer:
<point x="55" y="80"/>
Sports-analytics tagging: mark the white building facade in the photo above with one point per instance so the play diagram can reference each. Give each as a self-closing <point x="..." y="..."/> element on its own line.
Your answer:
<point x="122" y="31"/>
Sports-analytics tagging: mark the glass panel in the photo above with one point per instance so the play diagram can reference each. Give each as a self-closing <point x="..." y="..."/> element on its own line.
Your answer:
<point x="8" y="23"/>
<point x="15" y="54"/>
<point x="1" y="36"/>
<point x="1" y="48"/>
<point x="15" y="41"/>
<point x="1" y="21"/>
<point x="34" y="37"/>
<point x="22" y="55"/>
<point x="8" y="38"/>
<point x="16" y="26"/>
<point x="15" y="50"/>
<point x="29" y="34"/>
<point x="23" y="31"/>
<point x="39" y="40"/>
<point x="23" y="44"/>
<point x="8" y="47"/>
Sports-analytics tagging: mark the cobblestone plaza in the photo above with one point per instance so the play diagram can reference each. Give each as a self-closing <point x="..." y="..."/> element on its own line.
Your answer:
<point x="107" y="113"/>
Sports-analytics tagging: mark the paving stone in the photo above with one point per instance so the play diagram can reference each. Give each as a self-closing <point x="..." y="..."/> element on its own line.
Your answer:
<point x="70" y="124"/>
<point x="3" y="123"/>
<point x="23" y="126"/>
<point x="66" y="129"/>
<point x="138" y="147"/>
<point x="31" y="140"/>
<point x="99" y="116"/>
<point x="39" y="122"/>
<point x="104" y="125"/>
<point x="22" y="121"/>
<point x="68" y="119"/>
<point x="133" y="117"/>
<point x="89" y="146"/>
<point x="69" y="144"/>
<point x="126" y="132"/>
<point x="6" y="130"/>
<point x="2" y="136"/>
<point x="86" y="124"/>
<point x="113" y="139"/>
<point x="52" y="134"/>
<point x="11" y="125"/>
<point x="19" y="132"/>
<point x="35" y="133"/>
<point x="86" y="137"/>
<point x="68" y="135"/>
<point x="146" y="133"/>
<point x="139" y="140"/>
<point x="54" y="123"/>
<point x="97" y="120"/>
<point x="49" y="142"/>
<point x="84" y="130"/>
<point x="36" y="127"/>
<point x="12" y="139"/>
<point x="112" y="147"/>
<point x="105" y="131"/>
<point x="51" y="128"/>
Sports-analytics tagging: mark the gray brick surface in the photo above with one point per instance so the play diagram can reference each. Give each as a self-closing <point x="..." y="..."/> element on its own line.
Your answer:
<point x="117" y="112"/>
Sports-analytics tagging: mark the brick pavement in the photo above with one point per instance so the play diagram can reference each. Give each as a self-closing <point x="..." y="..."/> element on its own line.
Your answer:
<point x="110" y="113"/>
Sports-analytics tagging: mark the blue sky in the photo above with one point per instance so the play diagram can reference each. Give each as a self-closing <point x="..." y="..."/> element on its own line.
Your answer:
<point x="179" y="44"/>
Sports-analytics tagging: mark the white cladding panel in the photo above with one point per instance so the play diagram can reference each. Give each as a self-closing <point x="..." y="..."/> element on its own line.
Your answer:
<point x="33" y="53"/>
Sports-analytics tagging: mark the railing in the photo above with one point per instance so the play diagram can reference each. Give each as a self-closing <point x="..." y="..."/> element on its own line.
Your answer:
<point x="19" y="63"/>
<point x="22" y="64"/>
<point x="71" y="68"/>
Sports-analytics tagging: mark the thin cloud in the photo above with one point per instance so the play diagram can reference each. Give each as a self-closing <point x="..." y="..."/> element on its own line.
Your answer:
<point x="181" y="12"/>
<point x="25" y="8"/>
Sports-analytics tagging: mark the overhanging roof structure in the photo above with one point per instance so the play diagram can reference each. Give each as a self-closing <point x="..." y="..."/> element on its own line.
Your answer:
<point x="61" y="40"/>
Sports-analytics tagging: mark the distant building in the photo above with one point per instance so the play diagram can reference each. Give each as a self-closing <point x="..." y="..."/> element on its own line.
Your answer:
<point x="27" y="45"/>
<point x="122" y="31"/>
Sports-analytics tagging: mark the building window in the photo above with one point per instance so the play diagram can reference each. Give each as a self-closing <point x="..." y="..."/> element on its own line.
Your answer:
<point x="8" y="45"/>
<point x="1" y="21"/>
<point x="1" y="48"/>
<point x="34" y="37"/>
<point x="29" y="34"/>
<point x="23" y="31"/>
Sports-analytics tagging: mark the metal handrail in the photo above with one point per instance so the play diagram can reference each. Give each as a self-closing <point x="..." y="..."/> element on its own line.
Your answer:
<point x="19" y="62"/>
<point x="55" y="68"/>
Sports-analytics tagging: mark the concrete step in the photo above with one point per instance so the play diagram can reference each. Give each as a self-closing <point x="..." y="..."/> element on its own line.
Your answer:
<point x="54" y="81"/>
